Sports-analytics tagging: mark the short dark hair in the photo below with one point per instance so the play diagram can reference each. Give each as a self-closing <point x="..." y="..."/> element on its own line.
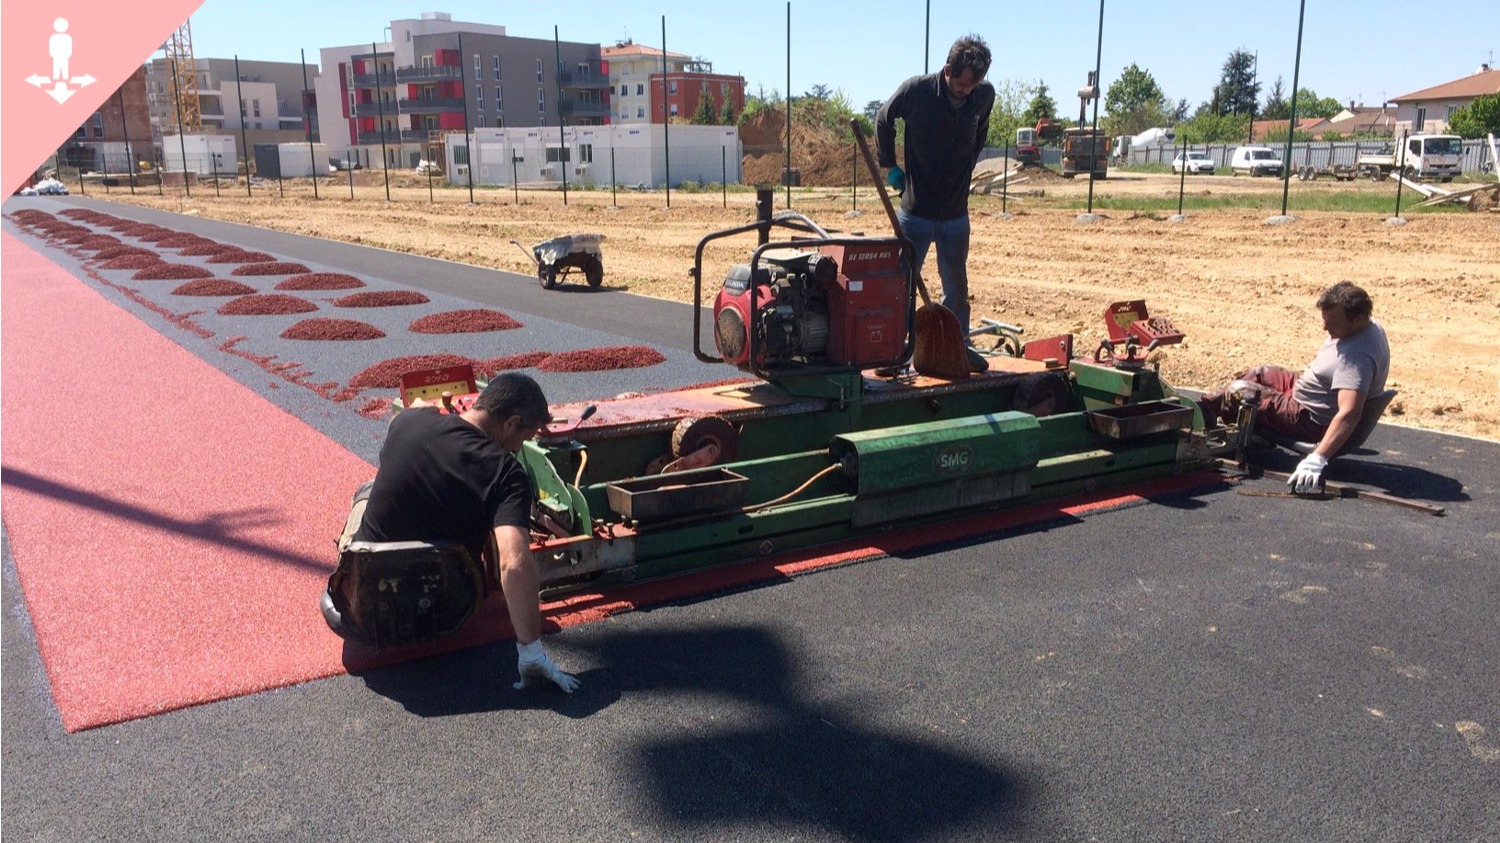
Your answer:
<point x="1348" y="297"/>
<point x="514" y="394"/>
<point x="969" y="52"/>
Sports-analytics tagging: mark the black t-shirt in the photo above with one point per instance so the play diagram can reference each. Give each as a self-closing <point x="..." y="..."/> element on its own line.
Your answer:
<point x="943" y="143"/>
<point x="442" y="479"/>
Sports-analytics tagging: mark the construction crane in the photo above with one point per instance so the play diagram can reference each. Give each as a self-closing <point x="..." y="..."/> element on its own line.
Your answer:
<point x="179" y="49"/>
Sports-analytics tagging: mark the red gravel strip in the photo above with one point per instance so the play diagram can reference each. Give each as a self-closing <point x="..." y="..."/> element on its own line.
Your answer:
<point x="463" y="322"/>
<point x="601" y="359"/>
<point x="213" y="287"/>
<point x="112" y="252"/>
<point x="31" y="216"/>
<point x="79" y="213"/>
<point x="320" y="281"/>
<point x="332" y="329"/>
<point x="269" y="268"/>
<point x="386" y="298"/>
<point x="132" y="262"/>
<point x="387" y="373"/>
<point x="241" y="256"/>
<point x="266" y="304"/>
<point x="156" y="235"/>
<point x="162" y="271"/>
<point x="375" y="408"/>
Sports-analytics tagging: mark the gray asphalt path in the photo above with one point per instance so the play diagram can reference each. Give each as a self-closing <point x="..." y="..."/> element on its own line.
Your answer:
<point x="1208" y="666"/>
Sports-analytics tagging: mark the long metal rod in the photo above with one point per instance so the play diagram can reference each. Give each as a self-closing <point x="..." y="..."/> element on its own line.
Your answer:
<point x="181" y="143"/>
<point x="125" y="130"/>
<point x="1286" y="167"/>
<point x="307" y="127"/>
<point x="1094" y="129"/>
<point x="239" y="101"/>
<point x="385" y="156"/>
<point x="562" y="136"/>
<point x="666" y="112"/>
<point x="786" y="176"/>
<point x="463" y="92"/>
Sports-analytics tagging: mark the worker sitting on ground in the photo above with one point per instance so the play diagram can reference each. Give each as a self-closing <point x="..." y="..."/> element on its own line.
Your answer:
<point x="456" y="479"/>
<point x="1325" y="402"/>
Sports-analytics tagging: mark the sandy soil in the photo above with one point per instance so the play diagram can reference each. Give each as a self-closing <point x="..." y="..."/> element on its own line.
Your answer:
<point x="1241" y="289"/>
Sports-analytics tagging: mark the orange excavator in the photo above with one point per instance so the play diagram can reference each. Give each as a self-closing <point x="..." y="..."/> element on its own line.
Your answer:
<point x="1029" y="138"/>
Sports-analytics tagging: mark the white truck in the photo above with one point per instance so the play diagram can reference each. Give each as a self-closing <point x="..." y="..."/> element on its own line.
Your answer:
<point x="1423" y="156"/>
<point x="1150" y="139"/>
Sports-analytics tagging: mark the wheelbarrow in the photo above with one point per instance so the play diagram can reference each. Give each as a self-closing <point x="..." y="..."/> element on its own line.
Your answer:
<point x="564" y="255"/>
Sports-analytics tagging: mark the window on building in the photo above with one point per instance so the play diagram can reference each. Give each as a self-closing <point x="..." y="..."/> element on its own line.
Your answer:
<point x="499" y="104"/>
<point x="82" y="133"/>
<point x="640" y="89"/>
<point x="624" y="90"/>
<point x="1421" y="117"/>
<point x="499" y="122"/>
<point x="674" y="109"/>
<point x="640" y="112"/>
<point x="461" y="154"/>
<point x="538" y="70"/>
<point x="583" y="67"/>
<point x="585" y="153"/>
<point x="557" y="154"/>
<point x="478" y="67"/>
<point x="98" y="125"/>
<point x="479" y="97"/>
<point x="624" y="113"/>
<point x="1451" y="109"/>
<point x="255" y="108"/>
<point x="541" y="100"/>
<point x="497" y="67"/>
<point x="425" y="62"/>
<point x="674" y="87"/>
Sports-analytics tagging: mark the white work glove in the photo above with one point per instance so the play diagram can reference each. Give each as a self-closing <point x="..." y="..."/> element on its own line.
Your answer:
<point x="1309" y="474"/>
<point x="534" y="666"/>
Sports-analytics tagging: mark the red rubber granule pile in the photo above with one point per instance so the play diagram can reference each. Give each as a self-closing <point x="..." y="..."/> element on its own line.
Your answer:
<point x="241" y="256"/>
<point x="269" y="268"/>
<point x="131" y="262"/>
<point x="163" y="271"/>
<point x="182" y="241"/>
<point x="321" y="281"/>
<point x="387" y="373"/>
<point x="98" y="242"/>
<point x="209" y="247"/>
<point x="525" y="360"/>
<point x="112" y="252"/>
<point x="388" y="298"/>
<point x="601" y="359"/>
<point x="213" y="287"/>
<point x="332" y="329"/>
<point x="463" y="322"/>
<point x="266" y="304"/>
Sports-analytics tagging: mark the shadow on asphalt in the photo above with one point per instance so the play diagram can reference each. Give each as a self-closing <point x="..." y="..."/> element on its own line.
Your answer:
<point x="1392" y="478"/>
<point x="757" y="749"/>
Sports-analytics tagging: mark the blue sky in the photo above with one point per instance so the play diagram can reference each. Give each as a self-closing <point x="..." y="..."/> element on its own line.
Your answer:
<point x="1364" y="50"/>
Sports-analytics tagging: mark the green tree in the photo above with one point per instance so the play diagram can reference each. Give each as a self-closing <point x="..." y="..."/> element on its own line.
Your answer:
<point x="726" y="115"/>
<point x="872" y="109"/>
<point x="1208" y="127"/>
<point x="1237" y="91"/>
<point x="704" y="114"/>
<point x="1277" y="107"/>
<point x="1041" y="106"/>
<point x="1134" y="103"/>
<point x="1309" y="104"/>
<point x="1478" y="118"/>
<point x="819" y="92"/>
<point x="1011" y="97"/>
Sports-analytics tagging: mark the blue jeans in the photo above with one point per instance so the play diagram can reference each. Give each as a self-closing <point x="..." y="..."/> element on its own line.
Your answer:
<point x="952" y="240"/>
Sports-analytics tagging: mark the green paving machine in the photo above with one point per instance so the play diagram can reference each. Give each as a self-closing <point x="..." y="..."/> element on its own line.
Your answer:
<point x="827" y="432"/>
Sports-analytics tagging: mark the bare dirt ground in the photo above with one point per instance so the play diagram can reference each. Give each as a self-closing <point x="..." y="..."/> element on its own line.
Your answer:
<point x="1241" y="289"/>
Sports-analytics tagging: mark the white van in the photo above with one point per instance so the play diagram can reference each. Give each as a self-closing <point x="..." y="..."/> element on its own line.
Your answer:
<point x="1255" y="160"/>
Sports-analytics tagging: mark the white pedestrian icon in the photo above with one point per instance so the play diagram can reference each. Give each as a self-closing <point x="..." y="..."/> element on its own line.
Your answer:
<point x="60" y="47"/>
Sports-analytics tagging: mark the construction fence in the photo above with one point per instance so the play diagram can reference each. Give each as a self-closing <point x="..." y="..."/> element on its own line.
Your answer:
<point x="1476" y="156"/>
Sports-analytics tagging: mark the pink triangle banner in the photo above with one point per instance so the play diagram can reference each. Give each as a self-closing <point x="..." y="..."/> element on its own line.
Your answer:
<point x="61" y="60"/>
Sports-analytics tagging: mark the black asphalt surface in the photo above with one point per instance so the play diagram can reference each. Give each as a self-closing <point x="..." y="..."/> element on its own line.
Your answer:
<point x="1207" y="666"/>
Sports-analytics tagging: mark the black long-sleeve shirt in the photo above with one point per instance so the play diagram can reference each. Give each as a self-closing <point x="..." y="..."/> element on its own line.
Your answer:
<point x="943" y="142"/>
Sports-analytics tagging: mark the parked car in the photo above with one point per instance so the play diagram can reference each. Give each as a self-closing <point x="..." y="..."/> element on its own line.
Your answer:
<point x="1255" y="160"/>
<point x="1194" y="162"/>
<point x="340" y="164"/>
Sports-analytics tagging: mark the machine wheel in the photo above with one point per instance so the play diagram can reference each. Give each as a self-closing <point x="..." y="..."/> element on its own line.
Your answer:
<point x="594" y="272"/>
<point x="548" y="276"/>
<point x="694" y="432"/>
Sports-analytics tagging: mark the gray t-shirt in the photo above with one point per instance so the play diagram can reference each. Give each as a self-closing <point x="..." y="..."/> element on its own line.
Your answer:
<point x="1360" y="363"/>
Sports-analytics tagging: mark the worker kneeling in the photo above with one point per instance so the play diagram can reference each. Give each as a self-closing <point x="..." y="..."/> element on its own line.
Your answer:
<point x="449" y="491"/>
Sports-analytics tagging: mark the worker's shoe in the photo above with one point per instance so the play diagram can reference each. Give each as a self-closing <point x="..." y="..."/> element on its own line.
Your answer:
<point x="977" y="363"/>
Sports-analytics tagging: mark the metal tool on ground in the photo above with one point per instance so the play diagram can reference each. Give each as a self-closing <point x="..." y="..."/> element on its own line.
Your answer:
<point x="1330" y="490"/>
<point x="561" y="256"/>
<point x="941" y="342"/>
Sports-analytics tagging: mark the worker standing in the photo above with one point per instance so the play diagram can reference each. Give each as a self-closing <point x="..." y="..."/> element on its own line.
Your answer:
<point x="947" y="118"/>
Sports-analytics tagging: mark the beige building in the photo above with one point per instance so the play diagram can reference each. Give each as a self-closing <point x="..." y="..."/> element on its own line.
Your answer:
<point x="1429" y="109"/>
